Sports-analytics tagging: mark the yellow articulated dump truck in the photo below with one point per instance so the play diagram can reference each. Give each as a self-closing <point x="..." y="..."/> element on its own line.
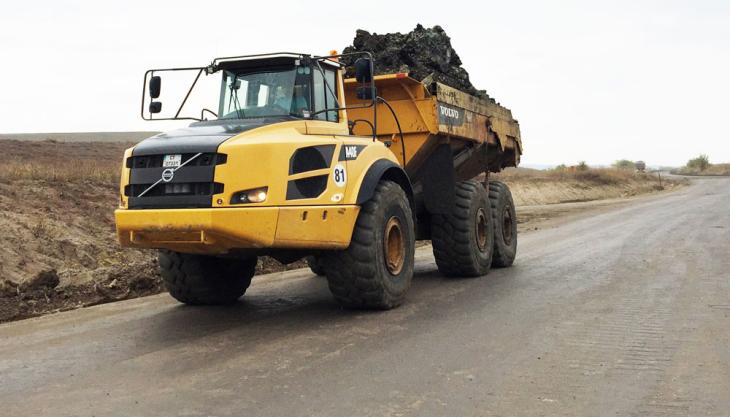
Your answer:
<point x="297" y="161"/>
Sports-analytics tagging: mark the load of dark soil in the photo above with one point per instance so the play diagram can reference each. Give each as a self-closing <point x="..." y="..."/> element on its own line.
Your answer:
<point x="424" y="54"/>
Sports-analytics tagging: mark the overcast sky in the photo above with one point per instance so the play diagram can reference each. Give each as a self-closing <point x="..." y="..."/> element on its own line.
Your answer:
<point x="594" y="81"/>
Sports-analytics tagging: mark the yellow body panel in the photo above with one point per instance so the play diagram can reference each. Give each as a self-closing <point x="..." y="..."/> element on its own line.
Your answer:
<point x="357" y="168"/>
<point x="261" y="158"/>
<point x="315" y="227"/>
<point x="219" y="230"/>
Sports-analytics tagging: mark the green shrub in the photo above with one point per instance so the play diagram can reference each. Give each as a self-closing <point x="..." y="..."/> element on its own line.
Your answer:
<point x="624" y="164"/>
<point x="702" y="162"/>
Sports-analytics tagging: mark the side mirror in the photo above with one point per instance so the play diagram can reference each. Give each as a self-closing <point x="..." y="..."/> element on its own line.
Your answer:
<point x="155" y="106"/>
<point x="155" y="84"/>
<point x="362" y="70"/>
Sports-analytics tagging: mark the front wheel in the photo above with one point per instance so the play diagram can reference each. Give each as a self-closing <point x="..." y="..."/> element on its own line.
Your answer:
<point x="205" y="280"/>
<point x="315" y="265"/>
<point x="376" y="270"/>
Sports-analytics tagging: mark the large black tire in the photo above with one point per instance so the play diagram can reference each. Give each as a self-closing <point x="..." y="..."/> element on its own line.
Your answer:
<point x="205" y="280"/>
<point x="504" y="219"/>
<point x="376" y="270"/>
<point x="315" y="264"/>
<point x="463" y="240"/>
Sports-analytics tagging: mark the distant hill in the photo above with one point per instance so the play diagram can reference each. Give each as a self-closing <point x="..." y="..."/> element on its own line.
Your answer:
<point x="80" y="136"/>
<point x="538" y="166"/>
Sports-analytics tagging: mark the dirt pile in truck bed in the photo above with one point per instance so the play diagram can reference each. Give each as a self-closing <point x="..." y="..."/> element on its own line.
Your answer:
<point x="425" y="54"/>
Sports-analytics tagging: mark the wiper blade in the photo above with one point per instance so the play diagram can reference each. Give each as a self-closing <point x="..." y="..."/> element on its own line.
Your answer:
<point x="236" y="103"/>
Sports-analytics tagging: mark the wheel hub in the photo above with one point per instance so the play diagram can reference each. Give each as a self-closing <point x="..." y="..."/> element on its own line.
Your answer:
<point x="507" y="226"/>
<point x="394" y="246"/>
<point x="482" y="229"/>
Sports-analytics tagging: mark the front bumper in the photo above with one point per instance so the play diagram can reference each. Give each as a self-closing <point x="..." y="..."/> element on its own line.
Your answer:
<point x="219" y="230"/>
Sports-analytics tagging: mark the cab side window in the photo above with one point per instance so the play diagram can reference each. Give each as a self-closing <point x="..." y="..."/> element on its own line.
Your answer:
<point x="323" y="97"/>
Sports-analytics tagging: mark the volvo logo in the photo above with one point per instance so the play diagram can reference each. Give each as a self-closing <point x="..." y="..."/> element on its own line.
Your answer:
<point x="168" y="174"/>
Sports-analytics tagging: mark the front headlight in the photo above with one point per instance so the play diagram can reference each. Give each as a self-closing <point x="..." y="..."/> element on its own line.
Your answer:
<point x="255" y="195"/>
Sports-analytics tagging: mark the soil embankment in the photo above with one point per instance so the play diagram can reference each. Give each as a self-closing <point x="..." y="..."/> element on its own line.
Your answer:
<point x="531" y="187"/>
<point x="59" y="249"/>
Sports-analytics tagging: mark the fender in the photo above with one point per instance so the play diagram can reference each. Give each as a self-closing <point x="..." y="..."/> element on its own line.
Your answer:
<point x="389" y="170"/>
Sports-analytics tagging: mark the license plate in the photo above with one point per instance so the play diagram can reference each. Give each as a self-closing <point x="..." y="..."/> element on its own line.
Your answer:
<point x="172" y="161"/>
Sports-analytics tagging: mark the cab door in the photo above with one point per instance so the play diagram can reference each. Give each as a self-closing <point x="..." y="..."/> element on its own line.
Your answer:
<point x="325" y="89"/>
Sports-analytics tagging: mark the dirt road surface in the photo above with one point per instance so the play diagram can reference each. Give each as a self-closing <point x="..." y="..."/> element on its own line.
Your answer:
<point x="625" y="312"/>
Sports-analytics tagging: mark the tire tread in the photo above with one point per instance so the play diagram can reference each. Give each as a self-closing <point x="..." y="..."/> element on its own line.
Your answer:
<point x="451" y="238"/>
<point x="205" y="280"/>
<point x="351" y="273"/>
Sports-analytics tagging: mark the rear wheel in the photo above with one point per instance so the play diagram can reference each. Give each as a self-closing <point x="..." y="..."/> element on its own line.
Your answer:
<point x="205" y="280"/>
<point x="463" y="240"/>
<point x="505" y="224"/>
<point x="376" y="270"/>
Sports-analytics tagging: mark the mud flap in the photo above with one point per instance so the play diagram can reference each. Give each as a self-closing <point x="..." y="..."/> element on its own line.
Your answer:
<point x="439" y="180"/>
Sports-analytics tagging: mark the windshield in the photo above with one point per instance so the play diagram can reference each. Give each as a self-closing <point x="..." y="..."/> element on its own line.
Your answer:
<point x="264" y="93"/>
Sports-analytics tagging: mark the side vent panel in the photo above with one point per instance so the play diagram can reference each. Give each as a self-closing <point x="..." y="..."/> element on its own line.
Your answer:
<point x="311" y="158"/>
<point x="310" y="187"/>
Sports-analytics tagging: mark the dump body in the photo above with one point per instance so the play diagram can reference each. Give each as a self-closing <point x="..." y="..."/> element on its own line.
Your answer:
<point x="483" y="135"/>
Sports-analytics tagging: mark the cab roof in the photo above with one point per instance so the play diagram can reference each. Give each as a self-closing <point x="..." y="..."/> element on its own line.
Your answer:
<point x="261" y="60"/>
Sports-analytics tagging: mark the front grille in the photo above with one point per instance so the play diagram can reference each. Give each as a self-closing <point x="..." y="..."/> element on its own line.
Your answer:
<point x="155" y="161"/>
<point x="191" y="186"/>
<point x="174" y="189"/>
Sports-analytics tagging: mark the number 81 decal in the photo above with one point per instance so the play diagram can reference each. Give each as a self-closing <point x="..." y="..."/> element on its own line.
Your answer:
<point x="339" y="175"/>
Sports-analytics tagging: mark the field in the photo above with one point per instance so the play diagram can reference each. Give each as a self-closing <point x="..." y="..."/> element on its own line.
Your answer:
<point x="119" y="137"/>
<point x="712" y="170"/>
<point x="59" y="250"/>
<point x="532" y="187"/>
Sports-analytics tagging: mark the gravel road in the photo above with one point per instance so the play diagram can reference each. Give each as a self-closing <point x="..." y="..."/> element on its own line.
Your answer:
<point x="624" y="312"/>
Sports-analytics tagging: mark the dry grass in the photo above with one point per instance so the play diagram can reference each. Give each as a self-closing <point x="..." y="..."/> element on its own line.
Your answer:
<point x="714" y="169"/>
<point x="537" y="187"/>
<point x="62" y="162"/>
<point x="596" y="176"/>
<point x="94" y="172"/>
<point x="87" y="137"/>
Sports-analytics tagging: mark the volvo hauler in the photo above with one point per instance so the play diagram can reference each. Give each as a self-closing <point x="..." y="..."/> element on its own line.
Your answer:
<point x="298" y="161"/>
